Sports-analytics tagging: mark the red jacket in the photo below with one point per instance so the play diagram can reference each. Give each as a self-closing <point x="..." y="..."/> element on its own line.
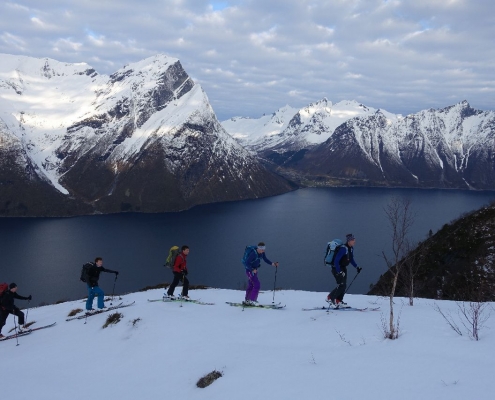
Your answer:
<point x="180" y="264"/>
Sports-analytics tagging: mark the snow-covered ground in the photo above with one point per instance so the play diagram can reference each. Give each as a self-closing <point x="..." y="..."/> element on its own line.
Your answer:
<point x="262" y="353"/>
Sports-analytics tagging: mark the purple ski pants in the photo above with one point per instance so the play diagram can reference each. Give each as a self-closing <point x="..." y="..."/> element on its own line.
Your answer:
<point x="253" y="286"/>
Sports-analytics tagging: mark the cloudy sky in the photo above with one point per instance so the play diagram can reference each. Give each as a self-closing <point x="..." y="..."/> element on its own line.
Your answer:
<point x="254" y="56"/>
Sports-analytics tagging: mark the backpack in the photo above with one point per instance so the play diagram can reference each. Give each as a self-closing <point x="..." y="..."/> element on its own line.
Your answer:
<point x="332" y="249"/>
<point x="85" y="270"/>
<point x="3" y="288"/>
<point x="172" y="255"/>
<point x="247" y="251"/>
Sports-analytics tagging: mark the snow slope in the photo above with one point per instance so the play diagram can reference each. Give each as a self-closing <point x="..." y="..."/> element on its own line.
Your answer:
<point x="272" y="354"/>
<point x="248" y="130"/>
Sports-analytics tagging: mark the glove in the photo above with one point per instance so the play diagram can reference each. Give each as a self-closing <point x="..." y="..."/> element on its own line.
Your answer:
<point x="341" y="273"/>
<point x="185" y="272"/>
<point x="116" y="273"/>
<point x="30" y="297"/>
<point x="358" y="269"/>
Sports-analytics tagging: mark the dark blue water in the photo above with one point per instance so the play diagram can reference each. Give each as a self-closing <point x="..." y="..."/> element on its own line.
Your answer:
<point x="44" y="255"/>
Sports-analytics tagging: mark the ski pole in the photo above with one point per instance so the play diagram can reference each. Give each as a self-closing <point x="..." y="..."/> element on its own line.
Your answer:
<point x="183" y="283"/>
<point x="274" y="284"/>
<point x="16" y="333"/>
<point x="113" y="290"/>
<point x="348" y="287"/>
<point x="27" y="312"/>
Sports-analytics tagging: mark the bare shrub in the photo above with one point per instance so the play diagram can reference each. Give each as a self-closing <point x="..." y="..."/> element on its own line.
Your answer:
<point x="387" y="333"/>
<point x="448" y="318"/>
<point x="26" y="325"/>
<point x="342" y="337"/>
<point x="29" y="324"/>
<point x="472" y="315"/>
<point x="74" y="312"/>
<point x="113" y="319"/>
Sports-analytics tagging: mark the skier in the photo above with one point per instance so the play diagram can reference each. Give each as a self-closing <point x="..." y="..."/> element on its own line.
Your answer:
<point x="343" y="257"/>
<point x="7" y="307"/>
<point x="180" y="271"/>
<point x="93" y="274"/>
<point x="251" y="262"/>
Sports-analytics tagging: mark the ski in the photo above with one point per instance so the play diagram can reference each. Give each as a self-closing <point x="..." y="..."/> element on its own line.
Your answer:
<point x="341" y="309"/>
<point x="15" y="335"/>
<point x="27" y="332"/>
<point x="165" y="300"/>
<point x="277" y="306"/>
<point x="121" y="305"/>
<point x="42" y="327"/>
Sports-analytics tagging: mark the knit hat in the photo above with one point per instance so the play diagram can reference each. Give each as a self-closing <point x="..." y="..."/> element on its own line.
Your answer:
<point x="349" y="237"/>
<point x="12" y="285"/>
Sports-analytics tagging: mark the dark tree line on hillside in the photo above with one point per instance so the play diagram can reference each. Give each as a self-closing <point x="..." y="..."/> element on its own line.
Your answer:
<point x="457" y="263"/>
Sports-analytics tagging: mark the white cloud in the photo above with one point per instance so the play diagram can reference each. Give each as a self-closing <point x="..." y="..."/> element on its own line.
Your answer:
<point x="350" y="75"/>
<point x="39" y="23"/>
<point x="253" y="56"/>
<point x="16" y="6"/>
<point x="13" y="41"/>
<point x="66" y="44"/>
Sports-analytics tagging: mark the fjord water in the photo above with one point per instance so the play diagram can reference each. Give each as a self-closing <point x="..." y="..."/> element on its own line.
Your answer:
<point x="44" y="255"/>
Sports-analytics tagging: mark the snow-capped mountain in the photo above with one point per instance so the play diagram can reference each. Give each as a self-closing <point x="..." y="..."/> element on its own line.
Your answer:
<point x="353" y="143"/>
<point x="450" y="147"/>
<point x="144" y="138"/>
<point x="289" y="129"/>
<point x="249" y="131"/>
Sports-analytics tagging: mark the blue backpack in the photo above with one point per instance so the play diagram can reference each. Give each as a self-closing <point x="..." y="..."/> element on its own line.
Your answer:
<point x="247" y="252"/>
<point x="332" y="248"/>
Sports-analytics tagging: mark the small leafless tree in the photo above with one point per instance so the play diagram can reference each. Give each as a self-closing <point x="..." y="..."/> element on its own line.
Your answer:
<point x="472" y="315"/>
<point x="401" y="219"/>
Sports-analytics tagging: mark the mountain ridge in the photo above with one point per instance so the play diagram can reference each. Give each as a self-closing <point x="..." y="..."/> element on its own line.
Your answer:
<point x="142" y="139"/>
<point x="452" y="147"/>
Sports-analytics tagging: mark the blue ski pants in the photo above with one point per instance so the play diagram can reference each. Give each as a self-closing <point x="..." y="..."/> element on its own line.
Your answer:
<point x="92" y="292"/>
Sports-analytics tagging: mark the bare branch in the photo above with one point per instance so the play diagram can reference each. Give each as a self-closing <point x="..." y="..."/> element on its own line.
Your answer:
<point x="448" y="318"/>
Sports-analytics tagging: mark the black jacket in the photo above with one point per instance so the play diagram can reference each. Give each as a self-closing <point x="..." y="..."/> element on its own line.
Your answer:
<point x="7" y="301"/>
<point x="93" y="274"/>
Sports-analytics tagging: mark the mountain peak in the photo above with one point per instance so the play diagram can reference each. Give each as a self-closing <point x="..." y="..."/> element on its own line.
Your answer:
<point x="141" y="139"/>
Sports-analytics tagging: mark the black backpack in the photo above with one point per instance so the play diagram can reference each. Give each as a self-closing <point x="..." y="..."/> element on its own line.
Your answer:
<point x="85" y="271"/>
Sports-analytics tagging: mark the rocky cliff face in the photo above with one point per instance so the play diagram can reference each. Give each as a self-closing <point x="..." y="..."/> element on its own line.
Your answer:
<point x="23" y="187"/>
<point x="143" y="139"/>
